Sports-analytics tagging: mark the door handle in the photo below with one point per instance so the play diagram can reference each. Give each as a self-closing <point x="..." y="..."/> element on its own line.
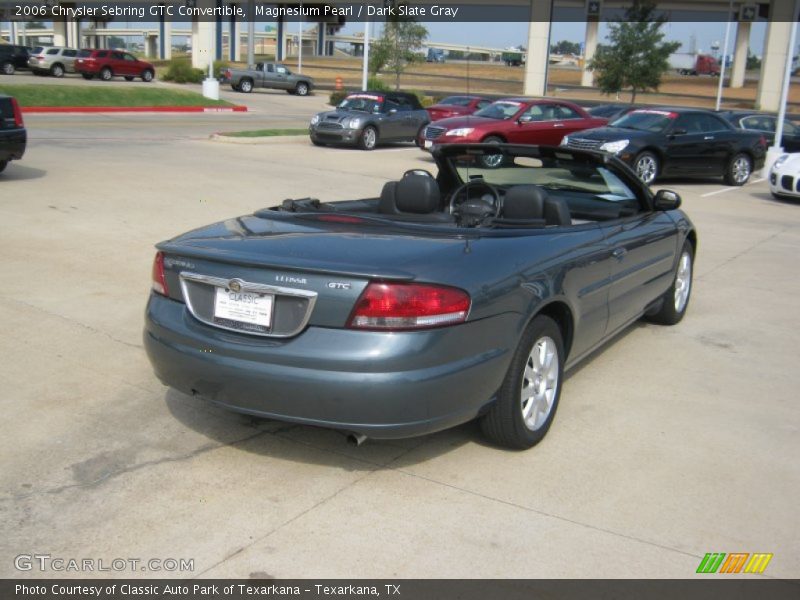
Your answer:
<point x="559" y="125"/>
<point x="709" y="137"/>
<point x="619" y="253"/>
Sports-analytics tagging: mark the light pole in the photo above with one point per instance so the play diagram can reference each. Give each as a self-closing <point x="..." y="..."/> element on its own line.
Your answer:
<point x="724" y="54"/>
<point x="777" y="149"/>
<point x="300" y="40"/>
<point x="364" y="68"/>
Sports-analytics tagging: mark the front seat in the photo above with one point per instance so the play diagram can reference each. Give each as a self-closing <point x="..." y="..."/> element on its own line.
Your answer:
<point x="531" y="203"/>
<point x="414" y="197"/>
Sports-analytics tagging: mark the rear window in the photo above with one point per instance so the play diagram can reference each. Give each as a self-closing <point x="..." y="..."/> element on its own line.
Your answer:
<point x="6" y="114"/>
<point x="84" y="53"/>
<point x="101" y="54"/>
<point x="69" y="52"/>
<point x="37" y="50"/>
<point x="53" y="51"/>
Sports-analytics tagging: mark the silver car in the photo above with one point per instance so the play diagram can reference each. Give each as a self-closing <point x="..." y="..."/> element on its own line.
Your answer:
<point x="52" y="60"/>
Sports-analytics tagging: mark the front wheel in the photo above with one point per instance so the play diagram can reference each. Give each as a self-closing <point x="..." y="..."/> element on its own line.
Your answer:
<point x="301" y="89"/>
<point x="646" y="167"/>
<point x="527" y="401"/>
<point x="147" y="76"/>
<point x="492" y="161"/>
<point x="368" y="138"/>
<point x="106" y="74"/>
<point x="7" y="68"/>
<point x="739" y="170"/>
<point x="246" y="86"/>
<point x="676" y="299"/>
<point x="57" y="71"/>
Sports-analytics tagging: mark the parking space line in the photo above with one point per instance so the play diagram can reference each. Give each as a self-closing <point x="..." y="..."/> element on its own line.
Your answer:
<point x="728" y="189"/>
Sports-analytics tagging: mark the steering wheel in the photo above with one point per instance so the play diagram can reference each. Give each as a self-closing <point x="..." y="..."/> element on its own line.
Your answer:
<point x="418" y="172"/>
<point x="474" y="206"/>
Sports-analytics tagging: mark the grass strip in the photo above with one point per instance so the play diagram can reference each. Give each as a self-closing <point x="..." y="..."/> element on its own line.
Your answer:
<point x="97" y="95"/>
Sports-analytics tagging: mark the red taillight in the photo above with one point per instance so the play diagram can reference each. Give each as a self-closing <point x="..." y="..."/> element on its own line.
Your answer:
<point x="18" y="122"/>
<point x="159" y="281"/>
<point x="402" y="306"/>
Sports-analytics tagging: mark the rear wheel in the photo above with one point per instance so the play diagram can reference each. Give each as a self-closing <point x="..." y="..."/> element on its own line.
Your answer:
<point x="147" y="76"/>
<point x="106" y="74"/>
<point x="7" y="68"/>
<point x="57" y="71"/>
<point x="246" y="86"/>
<point x="739" y="170"/>
<point x="527" y="401"/>
<point x="301" y="89"/>
<point x="676" y="299"/>
<point x="368" y="138"/>
<point x="87" y="76"/>
<point x="646" y="167"/>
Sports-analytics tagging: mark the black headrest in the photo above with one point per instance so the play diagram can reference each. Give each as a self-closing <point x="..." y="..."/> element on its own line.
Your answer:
<point x="556" y="212"/>
<point x="524" y="202"/>
<point x="417" y="194"/>
<point x="386" y="205"/>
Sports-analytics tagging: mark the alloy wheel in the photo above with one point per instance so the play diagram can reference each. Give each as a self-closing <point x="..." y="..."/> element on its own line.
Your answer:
<point x="539" y="383"/>
<point x="741" y="169"/>
<point x="683" y="282"/>
<point x="646" y="168"/>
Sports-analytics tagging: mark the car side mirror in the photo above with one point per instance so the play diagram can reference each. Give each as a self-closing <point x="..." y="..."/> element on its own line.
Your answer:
<point x="666" y="200"/>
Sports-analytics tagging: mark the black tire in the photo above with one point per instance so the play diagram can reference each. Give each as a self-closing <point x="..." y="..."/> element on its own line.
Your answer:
<point x="317" y="142"/>
<point x="3" y="165"/>
<point x="647" y="166"/>
<point x="368" y="140"/>
<point x="87" y="76"/>
<point x="246" y="86"/>
<point x="505" y="424"/>
<point x="147" y="76"/>
<point x="128" y="77"/>
<point x="739" y="169"/>
<point x="490" y="162"/>
<point x="57" y="70"/>
<point x="301" y="89"/>
<point x="234" y="87"/>
<point x="106" y="74"/>
<point x="671" y="311"/>
<point x="7" y="68"/>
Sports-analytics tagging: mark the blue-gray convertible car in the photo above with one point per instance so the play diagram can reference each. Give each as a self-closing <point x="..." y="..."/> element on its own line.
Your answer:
<point x="448" y="297"/>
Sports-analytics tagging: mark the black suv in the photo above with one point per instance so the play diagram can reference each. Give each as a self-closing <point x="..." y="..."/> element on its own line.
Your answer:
<point x="13" y="58"/>
<point x="13" y="136"/>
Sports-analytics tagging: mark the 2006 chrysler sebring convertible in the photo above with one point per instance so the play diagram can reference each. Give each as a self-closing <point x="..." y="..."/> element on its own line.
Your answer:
<point x="447" y="298"/>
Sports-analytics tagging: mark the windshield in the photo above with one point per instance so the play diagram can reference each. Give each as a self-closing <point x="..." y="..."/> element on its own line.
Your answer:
<point x="655" y="121"/>
<point x="502" y="109"/>
<point x="362" y="103"/>
<point x="456" y="101"/>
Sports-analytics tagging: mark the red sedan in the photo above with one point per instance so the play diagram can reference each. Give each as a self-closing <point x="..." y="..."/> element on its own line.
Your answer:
<point x="457" y="106"/>
<point x="106" y="64"/>
<point x="512" y="120"/>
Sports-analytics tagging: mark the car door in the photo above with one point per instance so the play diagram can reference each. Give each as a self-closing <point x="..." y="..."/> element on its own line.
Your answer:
<point x="533" y="125"/>
<point x="686" y="150"/>
<point x="132" y="65"/>
<point x="568" y="121"/>
<point x="720" y="141"/>
<point x="644" y="245"/>
<point x="265" y="75"/>
<point x="282" y="78"/>
<point x="118" y="63"/>
<point x="391" y="120"/>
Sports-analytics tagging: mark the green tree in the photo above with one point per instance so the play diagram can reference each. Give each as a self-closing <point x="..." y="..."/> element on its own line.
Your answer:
<point x="116" y="42"/>
<point x="636" y="56"/>
<point x="398" y="47"/>
<point x="565" y="47"/>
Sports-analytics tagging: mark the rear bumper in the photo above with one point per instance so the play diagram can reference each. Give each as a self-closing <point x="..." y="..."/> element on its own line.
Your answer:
<point x="382" y="385"/>
<point x="12" y="144"/>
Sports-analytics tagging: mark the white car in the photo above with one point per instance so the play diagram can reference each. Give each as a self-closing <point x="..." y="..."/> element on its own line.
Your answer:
<point x="784" y="176"/>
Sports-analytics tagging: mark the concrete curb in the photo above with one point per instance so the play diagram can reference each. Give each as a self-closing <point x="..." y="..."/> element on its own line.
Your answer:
<point x="133" y="109"/>
<point x="255" y="141"/>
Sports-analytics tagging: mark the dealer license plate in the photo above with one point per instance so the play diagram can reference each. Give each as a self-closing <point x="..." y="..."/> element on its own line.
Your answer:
<point x="427" y="143"/>
<point x="244" y="307"/>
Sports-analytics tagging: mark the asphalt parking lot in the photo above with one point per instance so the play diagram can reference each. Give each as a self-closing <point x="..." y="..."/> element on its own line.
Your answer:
<point x="670" y="443"/>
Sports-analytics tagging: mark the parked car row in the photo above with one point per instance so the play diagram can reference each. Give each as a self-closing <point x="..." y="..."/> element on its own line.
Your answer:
<point x="89" y="62"/>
